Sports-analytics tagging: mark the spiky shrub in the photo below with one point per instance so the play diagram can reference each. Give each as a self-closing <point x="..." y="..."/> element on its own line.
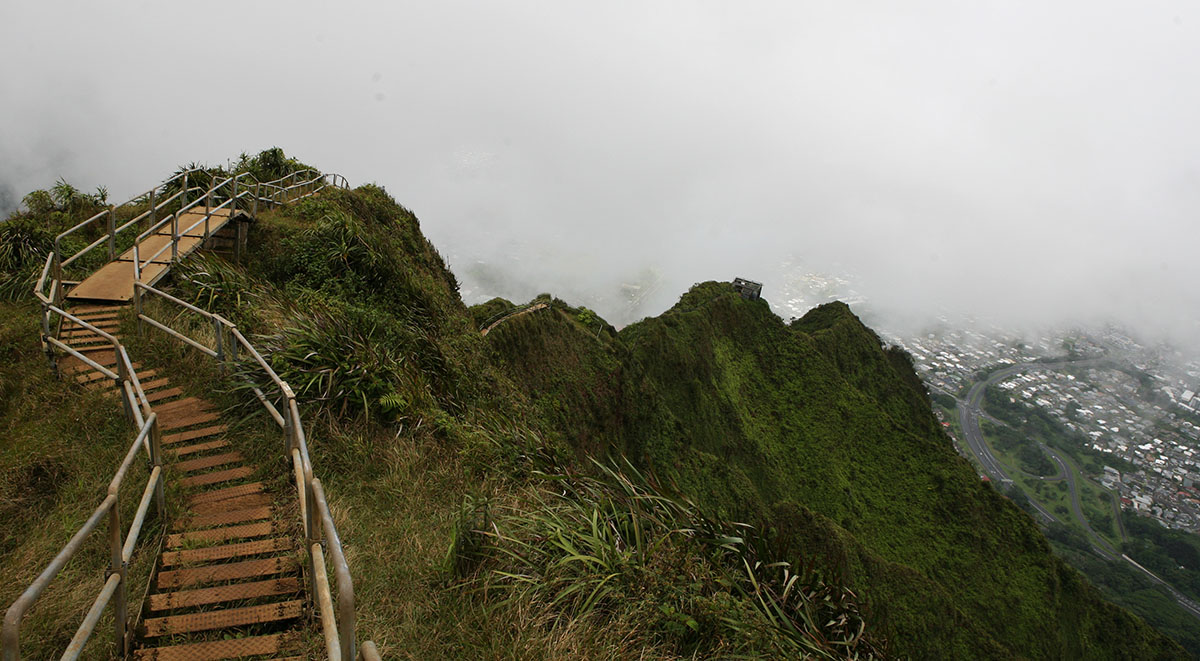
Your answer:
<point x="23" y="249"/>
<point x="616" y="546"/>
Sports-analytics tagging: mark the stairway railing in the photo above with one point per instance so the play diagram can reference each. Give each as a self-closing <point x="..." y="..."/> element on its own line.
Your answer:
<point x="230" y="346"/>
<point x="338" y="627"/>
<point x="122" y="547"/>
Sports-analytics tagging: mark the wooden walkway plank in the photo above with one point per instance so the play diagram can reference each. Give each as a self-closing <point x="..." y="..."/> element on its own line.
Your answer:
<point x="240" y="503"/>
<point x="181" y="420"/>
<point x="193" y="434"/>
<point x="247" y="531"/>
<point x="226" y="493"/>
<point x="159" y="395"/>
<point x="217" y="477"/>
<point x="222" y="518"/>
<point x="240" y="549"/>
<point x="181" y="578"/>
<point x="209" y="461"/>
<point x="222" y="619"/>
<point x="215" y="650"/>
<point x="199" y="447"/>
<point x="236" y="592"/>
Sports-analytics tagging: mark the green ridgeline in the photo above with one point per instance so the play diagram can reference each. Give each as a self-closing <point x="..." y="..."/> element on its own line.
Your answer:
<point x="815" y="433"/>
<point x="825" y="438"/>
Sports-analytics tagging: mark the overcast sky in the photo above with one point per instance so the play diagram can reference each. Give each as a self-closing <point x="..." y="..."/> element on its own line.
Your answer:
<point x="1028" y="161"/>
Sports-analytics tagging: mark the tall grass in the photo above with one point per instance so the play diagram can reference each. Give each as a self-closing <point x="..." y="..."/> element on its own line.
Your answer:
<point x="615" y="544"/>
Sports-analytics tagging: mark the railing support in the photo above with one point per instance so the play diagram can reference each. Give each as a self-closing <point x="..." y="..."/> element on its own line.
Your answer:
<point x="175" y="237"/>
<point x="160" y="498"/>
<point x="183" y="199"/>
<point x="150" y="220"/>
<point x="219" y="334"/>
<point x="117" y="566"/>
<point x="112" y="232"/>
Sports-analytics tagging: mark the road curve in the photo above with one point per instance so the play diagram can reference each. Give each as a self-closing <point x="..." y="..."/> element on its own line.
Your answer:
<point x="969" y="413"/>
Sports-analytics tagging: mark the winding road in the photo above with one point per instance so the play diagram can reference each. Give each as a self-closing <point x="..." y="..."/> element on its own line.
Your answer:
<point x="970" y="411"/>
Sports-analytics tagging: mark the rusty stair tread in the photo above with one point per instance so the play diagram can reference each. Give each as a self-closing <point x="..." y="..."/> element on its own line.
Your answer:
<point x="226" y="493"/>
<point x="74" y="365"/>
<point x="92" y="341"/>
<point x="154" y="383"/>
<point x="217" y="477"/>
<point x="205" y="596"/>
<point x="78" y="310"/>
<point x="245" y="531"/>
<point x="96" y="376"/>
<point x="209" y="461"/>
<point x="200" y="447"/>
<point x="181" y="420"/>
<point x="163" y="394"/>
<point x="223" y="518"/>
<point x="193" y="434"/>
<point x="215" y="650"/>
<point x="239" y="503"/>
<point x="223" y="619"/>
<point x="184" y="406"/>
<point x="181" y="578"/>
<point x="240" y="549"/>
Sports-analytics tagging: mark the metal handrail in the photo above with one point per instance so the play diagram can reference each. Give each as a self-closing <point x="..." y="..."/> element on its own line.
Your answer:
<point x="121" y="547"/>
<point x="138" y="410"/>
<point x="338" y="627"/>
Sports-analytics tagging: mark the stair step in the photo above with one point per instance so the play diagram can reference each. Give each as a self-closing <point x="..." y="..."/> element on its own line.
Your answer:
<point x="218" y="495"/>
<point x="182" y="420"/>
<point x="223" y="619"/>
<point x="223" y="518"/>
<point x="215" y="650"/>
<point x="181" y="578"/>
<point x="209" y="461"/>
<point x="154" y="384"/>
<point x="163" y="394"/>
<point x="204" y="596"/>
<point x="200" y="447"/>
<point x="75" y="330"/>
<point x="217" y="477"/>
<point x="187" y="404"/>
<point x="193" y="434"/>
<point x="96" y="376"/>
<point x="240" y="549"/>
<point x="99" y="320"/>
<point x="247" y="531"/>
<point x="81" y="310"/>
<point x="73" y="365"/>
<point x="229" y="504"/>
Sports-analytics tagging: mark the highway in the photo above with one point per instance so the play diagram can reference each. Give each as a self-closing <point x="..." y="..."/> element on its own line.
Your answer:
<point x="970" y="411"/>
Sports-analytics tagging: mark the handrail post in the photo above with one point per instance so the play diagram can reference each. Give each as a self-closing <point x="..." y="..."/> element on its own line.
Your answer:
<point x="257" y="191"/>
<point x="117" y="566"/>
<point x="175" y="237"/>
<point x="183" y="197"/>
<point x="218" y="333"/>
<point x="233" y="204"/>
<point x="112" y="232"/>
<point x="160" y="498"/>
<point x="137" y="306"/>
<point x="122" y="377"/>
<point x="151" y="219"/>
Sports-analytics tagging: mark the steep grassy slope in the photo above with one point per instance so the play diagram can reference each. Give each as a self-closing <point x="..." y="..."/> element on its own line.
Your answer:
<point x="822" y="434"/>
<point x="476" y="526"/>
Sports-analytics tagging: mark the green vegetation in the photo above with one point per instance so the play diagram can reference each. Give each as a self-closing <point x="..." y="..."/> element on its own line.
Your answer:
<point x="817" y="431"/>
<point x="1172" y="554"/>
<point x="782" y="489"/>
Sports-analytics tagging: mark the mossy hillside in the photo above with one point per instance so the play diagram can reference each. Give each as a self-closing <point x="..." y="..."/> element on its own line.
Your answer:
<point x="745" y="414"/>
<point x="347" y="297"/>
